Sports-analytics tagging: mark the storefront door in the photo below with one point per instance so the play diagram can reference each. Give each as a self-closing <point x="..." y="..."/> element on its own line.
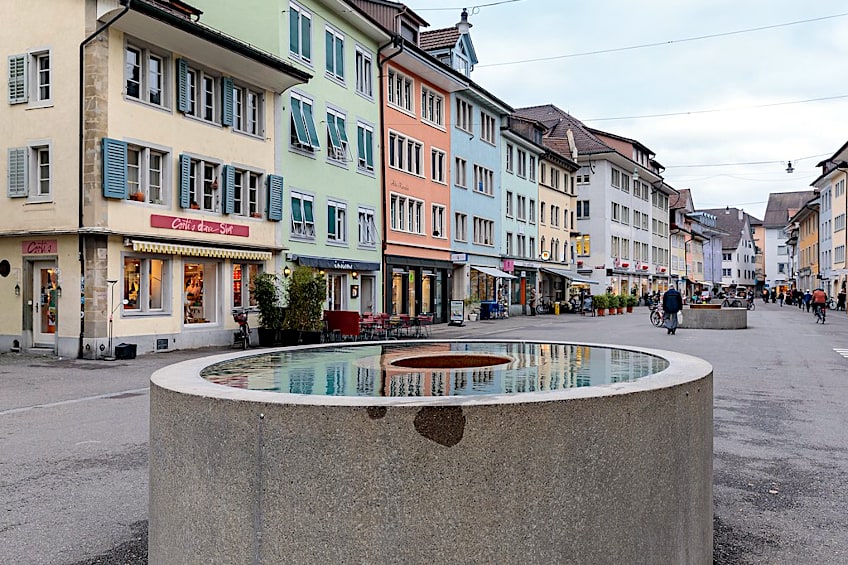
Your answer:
<point x="44" y="303"/>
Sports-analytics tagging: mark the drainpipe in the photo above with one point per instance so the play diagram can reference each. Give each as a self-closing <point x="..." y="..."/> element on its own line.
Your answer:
<point x="396" y="42"/>
<point x="81" y="157"/>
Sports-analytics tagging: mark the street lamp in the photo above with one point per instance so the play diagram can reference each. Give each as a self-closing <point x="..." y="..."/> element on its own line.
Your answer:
<point x="112" y="308"/>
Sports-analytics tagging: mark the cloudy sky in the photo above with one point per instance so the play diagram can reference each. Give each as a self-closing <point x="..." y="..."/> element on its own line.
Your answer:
<point x="746" y="102"/>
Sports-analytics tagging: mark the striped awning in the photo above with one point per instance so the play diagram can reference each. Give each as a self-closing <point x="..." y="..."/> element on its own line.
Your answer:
<point x="199" y="251"/>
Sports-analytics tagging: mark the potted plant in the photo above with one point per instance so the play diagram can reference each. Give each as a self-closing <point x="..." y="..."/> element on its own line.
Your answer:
<point x="631" y="302"/>
<point x="600" y="301"/>
<point x="612" y="303"/>
<point x="472" y="308"/>
<point x="306" y="293"/>
<point x="266" y="290"/>
<point x="620" y="301"/>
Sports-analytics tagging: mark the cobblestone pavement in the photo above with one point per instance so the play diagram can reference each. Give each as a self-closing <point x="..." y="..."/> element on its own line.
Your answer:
<point x="73" y="435"/>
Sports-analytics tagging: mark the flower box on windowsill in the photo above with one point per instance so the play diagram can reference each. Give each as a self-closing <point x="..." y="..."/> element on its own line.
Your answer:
<point x="256" y="215"/>
<point x="137" y="196"/>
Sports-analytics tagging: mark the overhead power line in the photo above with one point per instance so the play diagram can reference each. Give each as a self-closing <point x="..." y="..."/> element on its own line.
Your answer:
<point x="662" y="43"/>
<point x="473" y="10"/>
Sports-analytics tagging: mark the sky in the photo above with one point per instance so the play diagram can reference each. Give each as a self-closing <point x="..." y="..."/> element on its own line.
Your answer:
<point x="745" y="102"/>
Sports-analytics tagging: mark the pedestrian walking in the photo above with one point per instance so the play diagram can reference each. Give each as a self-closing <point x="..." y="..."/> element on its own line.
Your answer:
<point x="532" y="301"/>
<point x="840" y="300"/>
<point x="808" y="299"/>
<point x="672" y="303"/>
<point x="780" y="298"/>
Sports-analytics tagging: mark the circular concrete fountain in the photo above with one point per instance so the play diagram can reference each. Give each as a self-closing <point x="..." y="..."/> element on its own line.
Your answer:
<point x="616" y="472"/>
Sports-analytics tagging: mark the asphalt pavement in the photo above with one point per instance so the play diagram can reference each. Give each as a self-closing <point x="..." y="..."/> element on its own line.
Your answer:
<point x="73" y="438"/>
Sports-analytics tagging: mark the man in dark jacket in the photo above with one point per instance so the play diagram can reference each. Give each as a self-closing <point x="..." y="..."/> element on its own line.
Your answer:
<point x="672" y="304"/>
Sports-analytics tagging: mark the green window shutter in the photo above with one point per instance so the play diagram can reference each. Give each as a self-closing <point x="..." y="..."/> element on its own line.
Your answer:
<point x="307" y="211"/>
<point x="182" y="85"/>
<point x="185" y="181"/>
<point x="310" y="126"/>
<point x="114" y="168"/>
<point x="340" y="125"/>
<point x="340" y="57"/>
<point x="334" y="134"/>
<point x="306" y="38"/>
<point x="227" y="101"/>
<point x="360" y="145"/>
<point x="17" y="172"/>
<point x="296" y="209"/>
<point x="294" y="31"/>
<point x="369" y="149"/>
<point x="228" y="177"/>
<point x="297" y="120"/>
<point x="328" y="50"/>
<point x="331" y="220"/>
<point x="275" y="198"/>
<point x="17" y="79"/>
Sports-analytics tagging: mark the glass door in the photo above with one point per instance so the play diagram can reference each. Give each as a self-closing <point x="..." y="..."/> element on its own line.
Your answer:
<point x="44" y="303"/>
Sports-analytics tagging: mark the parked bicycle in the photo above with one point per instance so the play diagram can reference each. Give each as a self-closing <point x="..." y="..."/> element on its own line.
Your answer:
<point x="734" y="302"/>
<point x="241" y="337"/>
<point x="831" y="304"/>
<point x="656" y="314"/>
<point x="543" y="307"/>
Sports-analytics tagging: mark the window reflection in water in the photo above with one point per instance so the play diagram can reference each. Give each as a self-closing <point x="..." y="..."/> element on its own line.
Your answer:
<point x="367" y="370"/>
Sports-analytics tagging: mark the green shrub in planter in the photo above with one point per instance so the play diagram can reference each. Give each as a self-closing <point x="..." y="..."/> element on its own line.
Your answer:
<point x="305" y="294"/>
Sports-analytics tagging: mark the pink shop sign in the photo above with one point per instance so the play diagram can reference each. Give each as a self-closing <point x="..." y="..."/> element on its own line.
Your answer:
<point x="199" y="226"/>
<point x="39" y="247"/>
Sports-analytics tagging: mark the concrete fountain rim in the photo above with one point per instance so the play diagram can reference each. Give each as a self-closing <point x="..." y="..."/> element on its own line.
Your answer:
<point x="184" y="378"/>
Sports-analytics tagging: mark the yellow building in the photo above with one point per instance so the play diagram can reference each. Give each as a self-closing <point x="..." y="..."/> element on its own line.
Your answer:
<point x="832" y="186"/>
<point x="143" y="191"/>
<point x="807" y="220"/>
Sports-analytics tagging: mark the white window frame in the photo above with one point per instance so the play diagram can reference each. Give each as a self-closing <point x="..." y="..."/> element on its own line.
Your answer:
<point x="302" y="14"/>
<point x="204" y="174"/>
<point x="368" y="147"/>
<point x="532" y="211"/>
<point x="508" y="202"/>
<point x="521" y="163"/>
<point x="437" y="221"/>
<point x="337" y="153"/>
<point x="406" y="154"/>
<point x="521" y="208"/>
<point x="461" y="230"/>
<point x="203" y="104"/>
<point x="484" y="231"/>
<point x="438" y="165"/>
<point x="400" y="89"/>
<point x="509" y="157"/>
<point x="248" y="110"/>
<point x="367" y="227"/>
<point x="338" y="235"/>
<point x="304" y="228"/>
<point x="406" y="214"/>
<point x="147" y="173"/>
<point x="364" y="63"/>
<point x="487" y="127"/>
<point x="294" y="140"/>
<point x="145" y="54"/>
<point x="41" y="189"/>
<point x="337" y="72"/>
<point x="461" y="176"/>
<point x="247" y="193"/>
<point x="465" y="116"/>
<point x="484" y="180"/>
<point x="142" y="288"/>
<point x="532" y="169"/>
<point x="432" y="107"/>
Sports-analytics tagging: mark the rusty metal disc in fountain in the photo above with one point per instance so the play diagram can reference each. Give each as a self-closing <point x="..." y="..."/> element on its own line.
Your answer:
<point x="463" y="361"/>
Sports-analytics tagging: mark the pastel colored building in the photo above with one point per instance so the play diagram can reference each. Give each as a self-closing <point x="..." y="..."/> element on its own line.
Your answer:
<point x="140" y="212"/>
<point x="329" y="143"/>
<point x="833" y="178"/>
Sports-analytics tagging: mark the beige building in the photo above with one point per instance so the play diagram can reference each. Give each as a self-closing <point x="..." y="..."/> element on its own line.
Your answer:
<point x="143" y="190"/>
<point x="832" y="186"/>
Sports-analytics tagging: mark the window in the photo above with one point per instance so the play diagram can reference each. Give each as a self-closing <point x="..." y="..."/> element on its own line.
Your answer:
<point x="400" y="91"/>
<point x="334" y="42"/>
<point x="460" y="233"/>
<point x="144" y="75"/>
<point x="625" y="215"/>
<point x="145" y="174"/>
<point x="542" y="213"/>
<point x="582" y="209"/>
<point x="615" y="179"/>
<point x="582" y="246"/>
<point x="521" y="163"/>
<point x="839" y="223"/>
<point x="365" y="147"/>
<point x="521" y="245"/>
<point x="300" y="32"/>
<point x="30" y="172"/>
<point x="244" y="274"/>
<point x="438" y="220"/>
<point x="484" y="180"/>
<point x="405" y="154"/>
<point x="487" y="125"/>
<point x="461" y="169"/>
<point x="203" y="185"/>
<point x="532" y="168"/>
<point x="508" y="244"/>
<point x="781" y="250"/>
<point x="616" y="212"/>
<point x="484" y="231"/>
<point x="554" y="216"/>
<point x="509" y="211"/>
<point x="727" y="257"/>
<point x="583" y="175"/>
<point x="246" y="193"/>
<point x="200" y="282"/>
<point x="554" y="178"/>
<point x="144" y="285"/>
<point x="432" y="107"/>
<point x="336" y="222"/>
<point x="542" y="175"/>
<point x="839" y="188"/>
<point x="437" y="165"/>
<point x="367" y="227"/>
<point x="405" y="214"/>
<point x="247" y="110"/>
<point x="508" y="157"/>
<point x="532" y="211"/>
<point x="303" y="134"/>
<point x="521" y="208"/>
<point x="30" y="78"/>
<point x="464" y="115"/>
<point x="336" y="137"/>
<point x="303" y="222"/>
<point x="625" y="183"/>
<point x="200" y="93"/>
<point x="364" y="71"/>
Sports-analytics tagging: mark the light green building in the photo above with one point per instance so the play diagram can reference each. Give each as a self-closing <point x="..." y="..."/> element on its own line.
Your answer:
<point x="326" y="136"/>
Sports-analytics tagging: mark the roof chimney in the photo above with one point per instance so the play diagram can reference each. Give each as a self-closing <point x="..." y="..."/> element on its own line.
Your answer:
<point x="463" y="26"/>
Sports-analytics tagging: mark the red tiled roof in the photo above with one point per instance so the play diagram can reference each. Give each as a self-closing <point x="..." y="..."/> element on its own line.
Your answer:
<point x="559" y="122"/>
<point x="782" y="206"/>
<point x="444" y="38"/>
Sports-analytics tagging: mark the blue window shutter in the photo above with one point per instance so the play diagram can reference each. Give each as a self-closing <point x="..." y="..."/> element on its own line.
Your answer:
<point x="294" y="31"/>
<point x="275" y="198"/>
<point x="114" y="168"/>
<point x="310" y="125"/>
<point x="17" y="79"/>
<point x="306" y="38"/>
<point x="328" y="51"/>
<point x="227" y="101"/>
<point x="340" y="58"/>
<point x="17" y="172"/>
<point x="185" y="175"/>
<point x="229" y="178"/>
<point x="182" y="85"/>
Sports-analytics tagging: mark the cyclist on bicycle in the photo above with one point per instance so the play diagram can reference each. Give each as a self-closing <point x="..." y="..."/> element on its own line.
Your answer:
<point x="819" y="301"/>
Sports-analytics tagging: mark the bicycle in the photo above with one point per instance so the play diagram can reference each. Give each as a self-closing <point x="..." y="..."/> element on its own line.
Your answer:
<point x="543" y="307"/>
<point x="242" y="335"/>
<point x="831" y="304"/>
<point x="820" y="312"/>
<point x="656" y="315"/>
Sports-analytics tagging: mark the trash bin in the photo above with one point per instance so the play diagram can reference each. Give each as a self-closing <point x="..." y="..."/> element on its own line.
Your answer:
<point x="556" y="307"/>
<point x="485" y="310"/>
<point x="125" y="351"/>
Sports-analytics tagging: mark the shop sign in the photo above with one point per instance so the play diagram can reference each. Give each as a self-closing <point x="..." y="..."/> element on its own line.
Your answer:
<point x="199" y="226"/>
<point x="459" y="257"/>
<point x="39" y="247"/>
<point x="508" y="265"/>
